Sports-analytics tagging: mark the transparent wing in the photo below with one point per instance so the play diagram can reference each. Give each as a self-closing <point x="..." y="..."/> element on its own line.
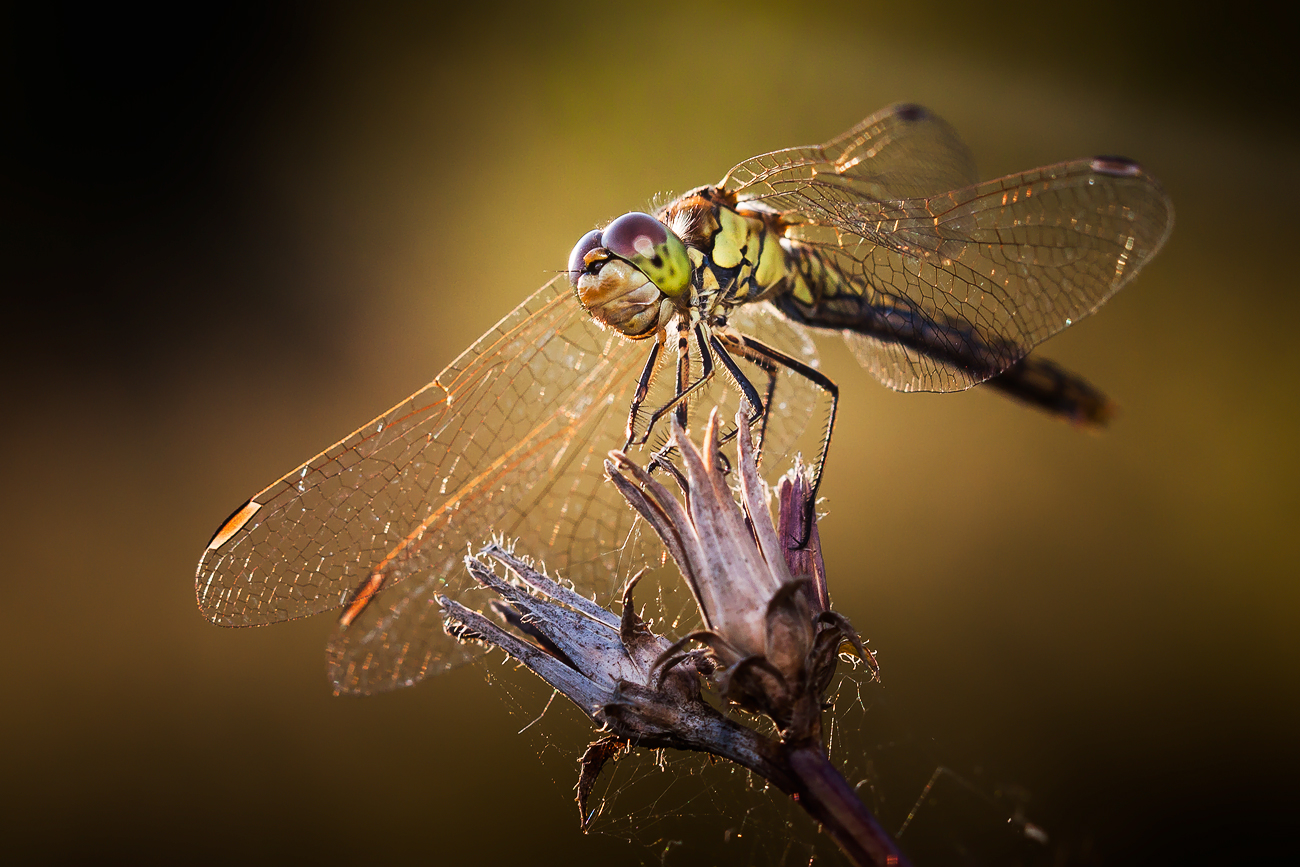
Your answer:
<point x="978" y="273"/>
<point x="798" y="411"/>
<point x="561" y="509"/>
<point x="509" y="438"/>
<point x="900" y="152"/>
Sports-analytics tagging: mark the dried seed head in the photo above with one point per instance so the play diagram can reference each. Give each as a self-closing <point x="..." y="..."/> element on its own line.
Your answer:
<point x="764" y="606"/>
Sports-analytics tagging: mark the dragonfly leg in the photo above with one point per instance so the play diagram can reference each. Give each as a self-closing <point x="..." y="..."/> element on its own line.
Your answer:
<point x="753" y="350"/>
<point x="642" y="389"/>
<point x="707" y="348"/>
<point x="684" y="387"/>
<point x="681" y="408"/>
<point x="660" y="461"/>
<point x="757" y="406"/>
<point x="768" y="368"/>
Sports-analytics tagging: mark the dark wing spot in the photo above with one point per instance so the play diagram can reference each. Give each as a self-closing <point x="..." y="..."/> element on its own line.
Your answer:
<point x="1120" y="167"/>
<point x="912" y="111"/>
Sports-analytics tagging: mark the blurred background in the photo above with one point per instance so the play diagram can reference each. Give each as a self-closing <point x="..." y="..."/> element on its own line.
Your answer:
<point x="233" y="234"/>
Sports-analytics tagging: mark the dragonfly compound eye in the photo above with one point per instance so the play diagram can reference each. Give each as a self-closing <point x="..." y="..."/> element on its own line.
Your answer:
<point x="577" y="259"/>
<point x="652" y="248"/>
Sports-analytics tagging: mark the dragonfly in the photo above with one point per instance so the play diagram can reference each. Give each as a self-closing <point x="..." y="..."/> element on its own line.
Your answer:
<point x="884" y="235"/>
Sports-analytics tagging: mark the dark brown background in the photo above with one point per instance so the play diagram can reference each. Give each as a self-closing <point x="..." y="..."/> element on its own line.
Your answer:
<point x="230" y="237"/>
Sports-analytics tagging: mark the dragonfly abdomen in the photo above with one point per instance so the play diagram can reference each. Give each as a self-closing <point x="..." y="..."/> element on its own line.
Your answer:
<point x="1043" y="383"/>
<point x="912" y="349"/>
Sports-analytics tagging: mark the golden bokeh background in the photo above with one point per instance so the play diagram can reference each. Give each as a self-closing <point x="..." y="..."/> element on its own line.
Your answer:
<point x="233" y="236"/>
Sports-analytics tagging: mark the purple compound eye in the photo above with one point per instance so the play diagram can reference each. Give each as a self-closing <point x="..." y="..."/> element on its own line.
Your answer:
<point x="634" y="235"/>
<point x="585" y="245"/>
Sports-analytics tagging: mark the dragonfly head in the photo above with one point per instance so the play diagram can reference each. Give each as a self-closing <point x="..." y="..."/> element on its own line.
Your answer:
<point x="624" y="272"/>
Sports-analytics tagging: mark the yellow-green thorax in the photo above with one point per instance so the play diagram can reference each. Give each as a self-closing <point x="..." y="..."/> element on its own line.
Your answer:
<point x="743" y="251"/>
<point x="698" y="256"/>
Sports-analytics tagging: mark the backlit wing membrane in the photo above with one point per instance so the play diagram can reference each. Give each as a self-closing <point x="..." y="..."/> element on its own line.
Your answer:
<point x="901" y="152"/>
<point x="1005" y="264"/>
<point x="557" y="496"/>
<point x="483" y="447"/>
<point x="510" y="439"/>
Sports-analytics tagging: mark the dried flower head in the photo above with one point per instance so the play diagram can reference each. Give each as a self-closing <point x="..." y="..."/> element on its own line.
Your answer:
<point x="772" y="641"/>
<point x="770" y="646"/>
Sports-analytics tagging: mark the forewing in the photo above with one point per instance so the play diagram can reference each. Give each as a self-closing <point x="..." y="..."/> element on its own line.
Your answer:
<point x="986" y="270"/>
<point x="504" y="440"/>
<point x="900" y="152"/>
<point x="567" y="513"/>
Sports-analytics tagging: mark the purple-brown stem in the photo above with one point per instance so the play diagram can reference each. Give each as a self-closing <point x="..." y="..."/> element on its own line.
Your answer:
<point x="829" y="799"/>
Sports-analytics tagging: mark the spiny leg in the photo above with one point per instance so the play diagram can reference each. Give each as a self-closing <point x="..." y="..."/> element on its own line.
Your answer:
<point x="768" y="368"/>
<point x="684" y="390"/>
<point x="661" y="457"/>
<point x="753" y="348"/>
<point x="682" y="409"/>
<point x="749" y="397"/>
<point x="708" y="348"/>
<point x="642" y="389"/>
<point x="748" y="393"/>
<point x="767" y="359"/>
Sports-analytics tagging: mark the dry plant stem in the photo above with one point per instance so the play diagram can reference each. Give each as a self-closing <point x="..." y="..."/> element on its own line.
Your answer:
<point x="657" y="719"/>
<point x="829" y="799"/>
<point x="806" y="773"/>
<point x="770" y="645"/>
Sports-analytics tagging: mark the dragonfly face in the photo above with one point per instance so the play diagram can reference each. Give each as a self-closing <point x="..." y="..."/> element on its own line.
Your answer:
<point x="638" y="272"/>
<point x="632" y="275"/>
<point x="884" y="235"/>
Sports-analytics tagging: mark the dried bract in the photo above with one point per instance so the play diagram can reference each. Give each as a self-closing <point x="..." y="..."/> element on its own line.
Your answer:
<point x="772" y="641"/>
<point x="770" y="645"/>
